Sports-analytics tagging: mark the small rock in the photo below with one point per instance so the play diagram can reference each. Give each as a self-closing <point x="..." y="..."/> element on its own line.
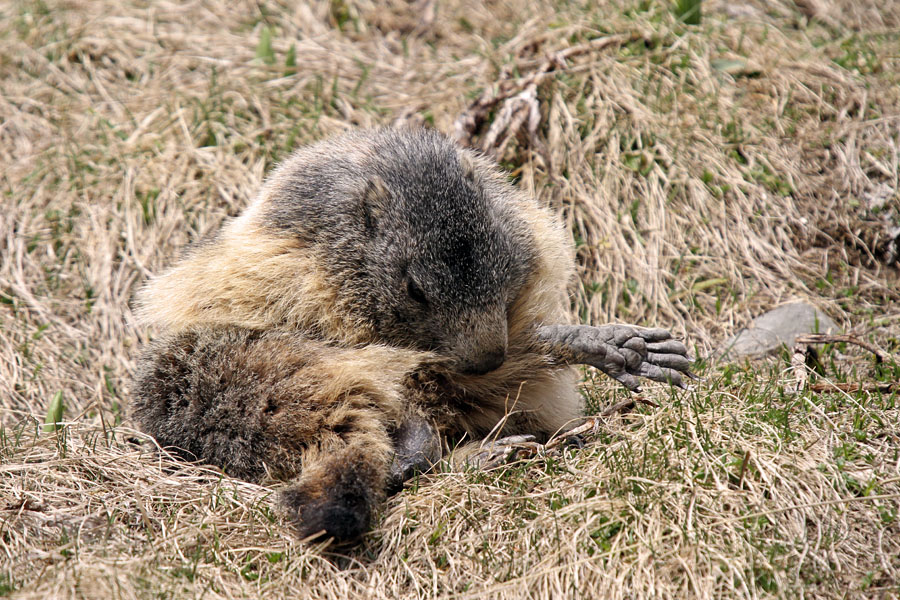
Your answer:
<point x="877" y="197"/>
<point x="781" y="326"/>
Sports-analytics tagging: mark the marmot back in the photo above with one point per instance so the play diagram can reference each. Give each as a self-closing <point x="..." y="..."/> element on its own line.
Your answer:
<point x="385" y="289"/>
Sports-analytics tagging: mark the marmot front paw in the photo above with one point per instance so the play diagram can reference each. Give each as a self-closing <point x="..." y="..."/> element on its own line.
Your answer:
<point x="624" y="352"/>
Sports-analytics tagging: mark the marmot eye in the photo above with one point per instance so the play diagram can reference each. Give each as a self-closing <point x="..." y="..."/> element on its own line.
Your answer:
<point x="415" y="292"/>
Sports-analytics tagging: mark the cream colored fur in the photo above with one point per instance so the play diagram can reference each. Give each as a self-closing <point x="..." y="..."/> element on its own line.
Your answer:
<point x="255" y="277"/>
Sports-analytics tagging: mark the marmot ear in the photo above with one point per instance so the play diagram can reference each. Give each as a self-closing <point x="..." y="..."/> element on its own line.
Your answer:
<point x="468" y="165"/>
<point x="374" y="203"/>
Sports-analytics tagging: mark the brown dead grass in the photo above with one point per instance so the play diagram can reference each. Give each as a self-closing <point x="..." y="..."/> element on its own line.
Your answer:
<point x="701" y="192"/>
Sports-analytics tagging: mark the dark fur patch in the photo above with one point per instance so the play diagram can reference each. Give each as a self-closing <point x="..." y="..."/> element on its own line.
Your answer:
<point x="344" y="518"/>
<point x="417" y="447"/>
<point x="341" y="506"/>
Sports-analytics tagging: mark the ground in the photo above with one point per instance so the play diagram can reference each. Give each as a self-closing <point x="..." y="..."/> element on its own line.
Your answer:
<point x="709" y="169"/>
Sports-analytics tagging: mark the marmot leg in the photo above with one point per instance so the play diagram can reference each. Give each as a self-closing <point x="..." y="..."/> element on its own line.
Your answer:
<point x="343" y="476"/>
<point x="274" y="405"/>
<point x="417" y="448"/>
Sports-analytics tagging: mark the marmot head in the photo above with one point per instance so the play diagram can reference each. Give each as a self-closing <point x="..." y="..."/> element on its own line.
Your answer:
<point x="422" y="239"/>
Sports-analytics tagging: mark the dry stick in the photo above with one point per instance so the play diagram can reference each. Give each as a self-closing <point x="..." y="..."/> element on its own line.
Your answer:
<point x="798" y="365"/>
<point x="826" y="338"/>
<point x="740" y="483"/>
<point x="620" y="407"/>
<point x="801" y="350"/>
<point x="468" y="121"/>
<point x="592" y="424"/>
<point x="856" y="387"/>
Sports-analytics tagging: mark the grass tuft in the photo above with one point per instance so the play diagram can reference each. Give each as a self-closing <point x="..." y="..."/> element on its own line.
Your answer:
<point x="53" y="420"/>
<point x="688" y="11"/>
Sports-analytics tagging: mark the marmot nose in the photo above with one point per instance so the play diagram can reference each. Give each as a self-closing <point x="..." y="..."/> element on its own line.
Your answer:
<point x="485" y="363"/>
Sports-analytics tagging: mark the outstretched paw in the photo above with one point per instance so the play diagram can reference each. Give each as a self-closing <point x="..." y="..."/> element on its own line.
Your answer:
<point x="624" y="352"/>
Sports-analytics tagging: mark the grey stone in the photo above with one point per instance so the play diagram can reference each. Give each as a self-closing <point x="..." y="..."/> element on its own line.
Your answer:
<point x="781" y="326"/>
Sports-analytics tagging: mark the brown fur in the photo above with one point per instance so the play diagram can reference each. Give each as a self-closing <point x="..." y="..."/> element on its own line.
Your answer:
<point x="269" y="365"/>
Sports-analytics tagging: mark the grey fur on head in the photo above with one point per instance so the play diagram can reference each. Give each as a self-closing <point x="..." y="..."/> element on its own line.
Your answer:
<point x="430" y="254"/>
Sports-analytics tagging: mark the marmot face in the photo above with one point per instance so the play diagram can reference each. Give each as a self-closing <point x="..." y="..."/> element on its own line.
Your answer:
<point x="417" y="241"/>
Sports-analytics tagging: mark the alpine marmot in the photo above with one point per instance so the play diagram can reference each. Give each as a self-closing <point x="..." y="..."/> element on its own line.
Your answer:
<point x="386" y="290"/>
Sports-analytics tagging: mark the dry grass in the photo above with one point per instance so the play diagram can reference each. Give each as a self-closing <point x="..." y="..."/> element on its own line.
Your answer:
<point x="708" y="173"/>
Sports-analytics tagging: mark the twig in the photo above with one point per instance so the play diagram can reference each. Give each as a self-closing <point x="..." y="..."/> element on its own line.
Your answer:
<point x="744" y="462"/>
<point x="798" y="366"/>
<point x="621" y="407"/>
<point x="828" y="338"/>
<point x="520" y="97"/>
<point x="591" y="424"/>
<point x="887" y="386"/>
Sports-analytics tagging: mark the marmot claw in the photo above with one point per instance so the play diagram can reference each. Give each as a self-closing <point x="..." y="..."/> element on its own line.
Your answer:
<point x="624" y="352"/>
